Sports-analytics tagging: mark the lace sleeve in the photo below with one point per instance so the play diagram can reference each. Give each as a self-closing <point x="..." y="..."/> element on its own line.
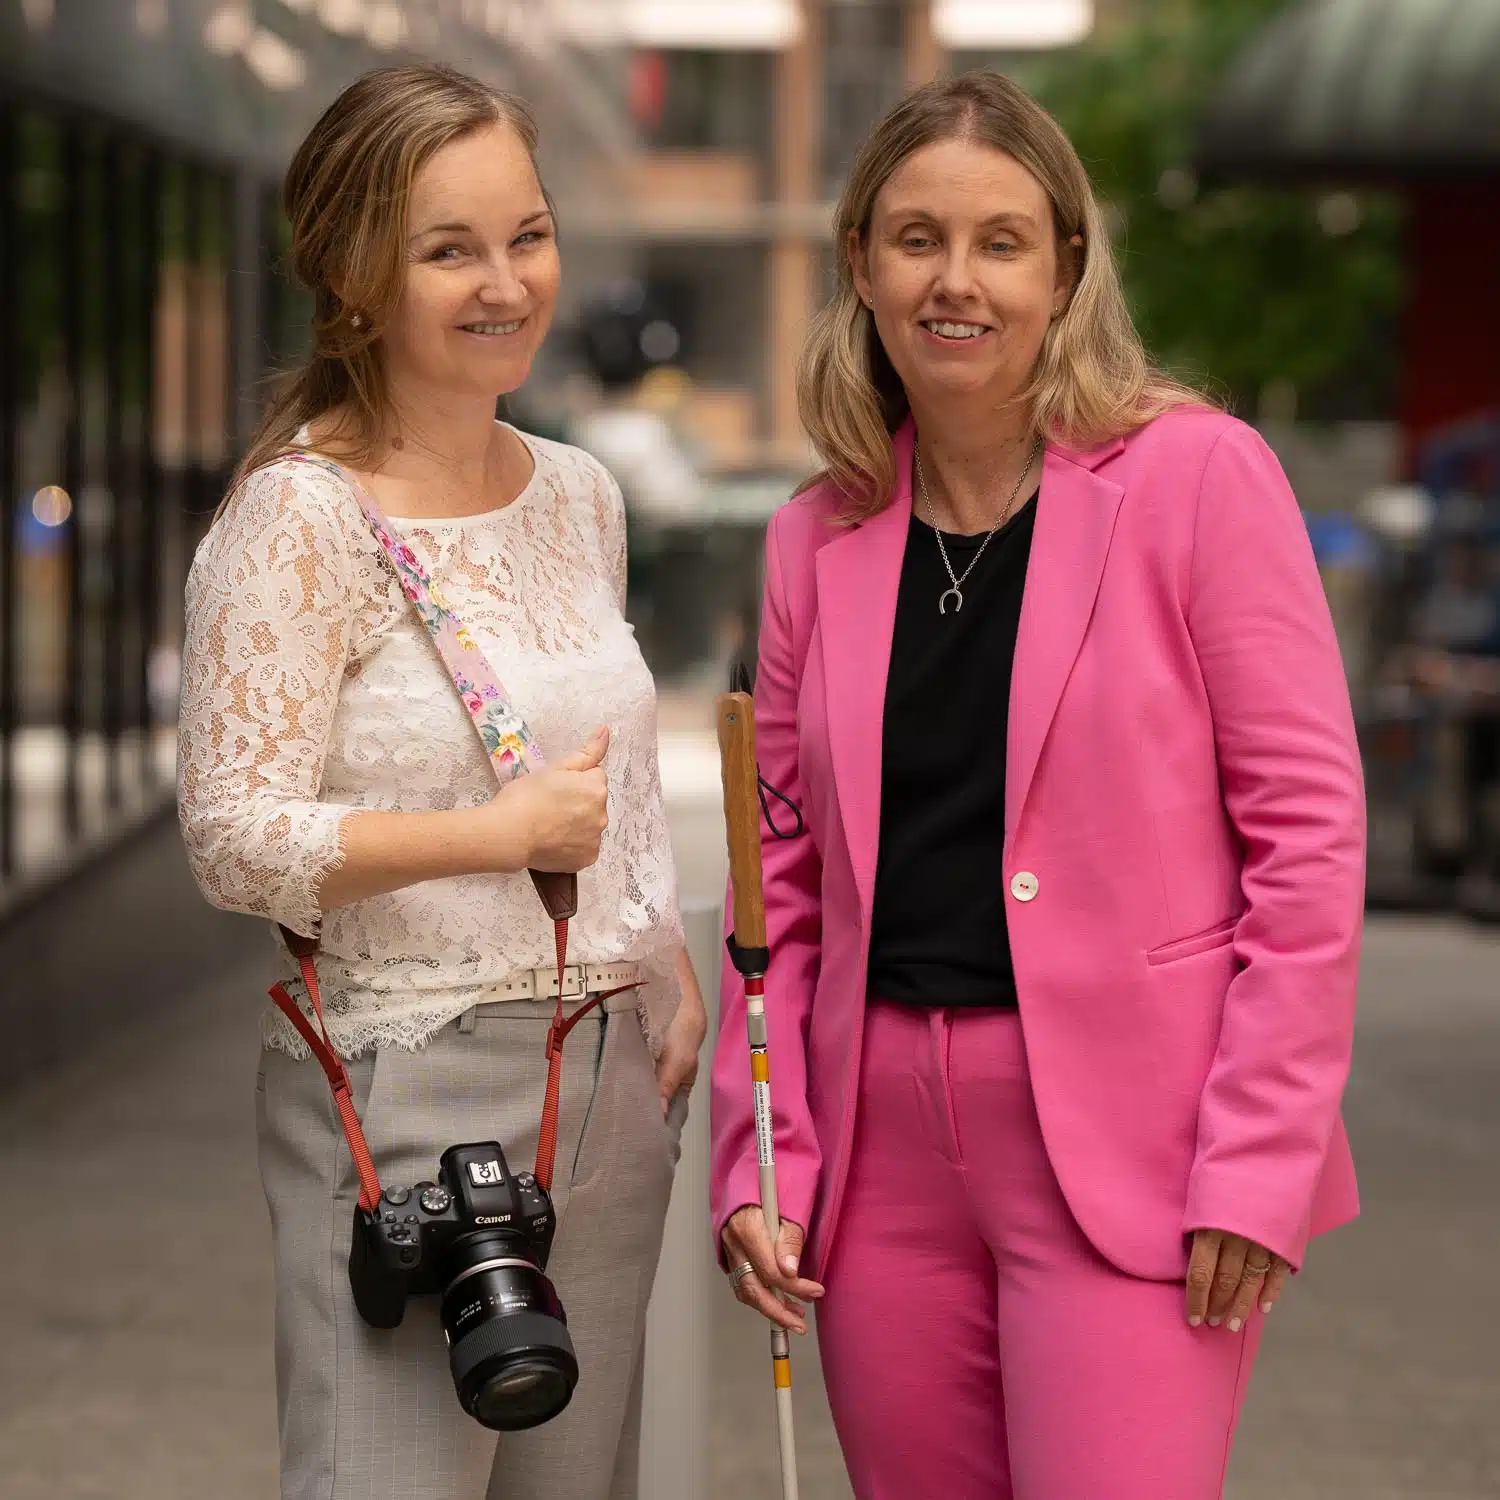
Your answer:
<point x="269" y="617"/>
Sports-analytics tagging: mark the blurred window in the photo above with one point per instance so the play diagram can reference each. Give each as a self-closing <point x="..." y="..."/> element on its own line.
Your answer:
<point x="703" y="101"/>
<point x="864" y="75"/>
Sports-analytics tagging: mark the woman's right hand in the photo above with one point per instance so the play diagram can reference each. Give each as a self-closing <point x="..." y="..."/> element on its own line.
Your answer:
<point x="746" y="1239"/>
<point x="558" y="815"/>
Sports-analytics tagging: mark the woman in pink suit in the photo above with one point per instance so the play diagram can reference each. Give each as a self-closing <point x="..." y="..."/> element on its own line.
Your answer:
<point x="1064" y="965"/>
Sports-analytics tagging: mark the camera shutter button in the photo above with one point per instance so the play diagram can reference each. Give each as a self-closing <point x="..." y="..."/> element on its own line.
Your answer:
<point x="396" y="1196"/>
<point x="436" y="1200"/>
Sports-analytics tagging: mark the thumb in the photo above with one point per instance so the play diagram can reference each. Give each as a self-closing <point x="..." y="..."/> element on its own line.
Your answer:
<point x="789" y="1246"/>
<point x="592" y="753"/>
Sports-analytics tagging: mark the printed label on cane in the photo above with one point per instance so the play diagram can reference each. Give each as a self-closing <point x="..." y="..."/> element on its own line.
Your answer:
<point x="764" y="1141"/>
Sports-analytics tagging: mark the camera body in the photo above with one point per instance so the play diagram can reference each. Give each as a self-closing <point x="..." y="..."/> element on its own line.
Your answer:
<point x="400" y="1250"/>
<point x="479" y="1238"/>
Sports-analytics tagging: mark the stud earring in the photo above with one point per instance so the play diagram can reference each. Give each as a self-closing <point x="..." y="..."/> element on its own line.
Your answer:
<point x="356" y="320"/>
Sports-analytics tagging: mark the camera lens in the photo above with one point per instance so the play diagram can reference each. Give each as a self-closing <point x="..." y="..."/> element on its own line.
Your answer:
<point x="508" y="1346"/>
<point x="525" y="1394"/>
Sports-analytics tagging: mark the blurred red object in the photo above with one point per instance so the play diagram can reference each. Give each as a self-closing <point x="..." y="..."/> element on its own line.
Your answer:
<point x="648" y="88"/>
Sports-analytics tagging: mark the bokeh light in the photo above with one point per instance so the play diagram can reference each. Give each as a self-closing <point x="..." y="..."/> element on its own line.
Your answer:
<point x="52" y="505"/>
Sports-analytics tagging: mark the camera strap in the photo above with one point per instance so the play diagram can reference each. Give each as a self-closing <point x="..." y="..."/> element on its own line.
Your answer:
<point x="513" y="751"/>
<point x="343" y="1096"/>
<point x="338" y="1076"/>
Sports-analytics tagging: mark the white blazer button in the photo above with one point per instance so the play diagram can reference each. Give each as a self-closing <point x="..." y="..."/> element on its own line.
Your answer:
<point x="1023" y="885"/>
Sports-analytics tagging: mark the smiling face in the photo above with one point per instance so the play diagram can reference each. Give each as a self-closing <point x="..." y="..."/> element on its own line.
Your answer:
<point x="482" y="269"/>
<point x="962" y="266"/>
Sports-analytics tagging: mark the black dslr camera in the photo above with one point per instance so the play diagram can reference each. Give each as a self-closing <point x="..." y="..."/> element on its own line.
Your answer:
<point x="480" y="1238"/>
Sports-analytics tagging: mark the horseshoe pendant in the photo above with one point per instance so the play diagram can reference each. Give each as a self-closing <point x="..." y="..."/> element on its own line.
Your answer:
<point x="946" y="595"/>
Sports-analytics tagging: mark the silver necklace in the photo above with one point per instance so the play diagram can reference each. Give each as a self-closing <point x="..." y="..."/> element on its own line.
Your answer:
<point x="956" y="592"/>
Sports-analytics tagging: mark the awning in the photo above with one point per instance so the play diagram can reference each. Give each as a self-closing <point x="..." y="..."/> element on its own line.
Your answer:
<point x="1349" y="88"/>
<point x="242" y="80"/>
<point x="1010" y="25"/>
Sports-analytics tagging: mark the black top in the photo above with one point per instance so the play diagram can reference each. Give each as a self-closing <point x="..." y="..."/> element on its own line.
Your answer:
<point x="938" y="936"/>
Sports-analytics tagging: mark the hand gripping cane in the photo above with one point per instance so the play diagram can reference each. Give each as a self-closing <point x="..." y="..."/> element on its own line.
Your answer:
<point x="751" y="956"/>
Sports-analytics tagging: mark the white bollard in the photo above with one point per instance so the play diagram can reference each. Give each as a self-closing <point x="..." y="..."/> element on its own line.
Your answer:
<point x="677" y="1404"/>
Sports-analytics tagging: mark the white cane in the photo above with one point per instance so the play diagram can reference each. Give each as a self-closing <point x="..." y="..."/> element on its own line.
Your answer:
<point x="751" y="956"/>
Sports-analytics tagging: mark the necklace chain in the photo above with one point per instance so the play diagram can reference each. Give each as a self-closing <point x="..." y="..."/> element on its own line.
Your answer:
<point x="956" y="592"/>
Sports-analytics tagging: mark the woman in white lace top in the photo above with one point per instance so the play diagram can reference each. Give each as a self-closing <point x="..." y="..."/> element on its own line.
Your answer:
<point x="331" y="780"/>
<point x="313" y="689"/>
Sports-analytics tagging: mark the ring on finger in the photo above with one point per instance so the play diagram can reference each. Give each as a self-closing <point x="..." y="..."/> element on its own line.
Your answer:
<point x="1256" y="1270"/>
<point x="740" y="1272"/>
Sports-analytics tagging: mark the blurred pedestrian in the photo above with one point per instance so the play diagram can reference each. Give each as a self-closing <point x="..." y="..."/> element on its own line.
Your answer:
<point x="1063" y="969"/>
<point x="332" y="781"/>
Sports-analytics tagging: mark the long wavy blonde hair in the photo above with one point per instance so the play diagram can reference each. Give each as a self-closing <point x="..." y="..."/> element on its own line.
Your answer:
<point x="346" y="195"/>
<point x="1092" y="380"/>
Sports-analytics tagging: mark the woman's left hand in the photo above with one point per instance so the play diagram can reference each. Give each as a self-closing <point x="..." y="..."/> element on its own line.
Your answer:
<point x="1228" y="1276"/>
<point x="677" y="1067"/>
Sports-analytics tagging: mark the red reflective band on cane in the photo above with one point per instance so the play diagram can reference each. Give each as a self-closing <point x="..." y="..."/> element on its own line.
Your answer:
<point x="338" y="1079"/>
<point x="755" y="986"/>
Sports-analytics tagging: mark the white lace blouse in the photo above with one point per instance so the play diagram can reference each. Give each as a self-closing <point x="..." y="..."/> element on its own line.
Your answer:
<point x="310" y="688"/>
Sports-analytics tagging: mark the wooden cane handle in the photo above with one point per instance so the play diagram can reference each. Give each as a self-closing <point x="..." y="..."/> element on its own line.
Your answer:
<point x="736" y="723"/>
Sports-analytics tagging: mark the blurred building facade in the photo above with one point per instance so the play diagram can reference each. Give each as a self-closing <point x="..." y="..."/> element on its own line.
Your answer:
<point x="748" y="116"/>
<point x="1391" y="94"/>
<point x="141" y="310"/>
<point x="1402" y="94"/>
<point x="697" y="148"/>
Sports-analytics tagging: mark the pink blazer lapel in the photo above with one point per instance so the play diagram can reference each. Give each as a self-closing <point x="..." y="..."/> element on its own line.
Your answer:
<point x="1075" y="521"/>
<point x="858" y="576"/>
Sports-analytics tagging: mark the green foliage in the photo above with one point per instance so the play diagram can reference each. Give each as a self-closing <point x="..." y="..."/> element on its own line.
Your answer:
<point x="1240" y="284"/>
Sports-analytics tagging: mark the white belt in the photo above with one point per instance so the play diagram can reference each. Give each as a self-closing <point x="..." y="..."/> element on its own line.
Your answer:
<point x="578" y="980"/>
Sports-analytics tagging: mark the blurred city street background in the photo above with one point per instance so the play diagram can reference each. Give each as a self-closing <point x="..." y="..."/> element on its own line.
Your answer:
<point x="1306" y="201"/>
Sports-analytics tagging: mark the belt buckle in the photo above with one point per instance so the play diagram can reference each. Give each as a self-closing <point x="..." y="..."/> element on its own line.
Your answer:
<point x="574" y="982"/>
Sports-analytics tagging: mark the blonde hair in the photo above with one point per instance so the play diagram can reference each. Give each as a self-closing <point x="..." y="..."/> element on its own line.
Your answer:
<point x="1092" y="380"/>
<point x="346" y="195"/>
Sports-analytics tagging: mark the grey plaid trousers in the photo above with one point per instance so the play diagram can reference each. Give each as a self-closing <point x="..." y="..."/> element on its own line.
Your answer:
<point x="370" y="1414"/>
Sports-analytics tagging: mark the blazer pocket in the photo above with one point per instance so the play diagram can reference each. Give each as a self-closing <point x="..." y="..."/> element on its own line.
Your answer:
<point x="1188" y="947"/>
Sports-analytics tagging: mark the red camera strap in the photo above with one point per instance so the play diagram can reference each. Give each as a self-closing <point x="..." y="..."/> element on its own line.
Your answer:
<point x="338" y="1076"/>
<point x="512" y="750"/>
<point x="557" y="1034"/>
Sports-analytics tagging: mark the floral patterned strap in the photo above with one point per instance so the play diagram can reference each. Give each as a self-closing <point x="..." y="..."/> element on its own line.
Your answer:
<point x="509" y="743"/>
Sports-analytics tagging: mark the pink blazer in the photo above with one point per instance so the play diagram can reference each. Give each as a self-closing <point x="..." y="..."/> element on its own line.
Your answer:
<point x="1184" y="848"/>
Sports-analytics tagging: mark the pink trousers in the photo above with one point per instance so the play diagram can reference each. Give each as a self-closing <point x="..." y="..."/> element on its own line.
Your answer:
<point x="975" y="1345"/>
